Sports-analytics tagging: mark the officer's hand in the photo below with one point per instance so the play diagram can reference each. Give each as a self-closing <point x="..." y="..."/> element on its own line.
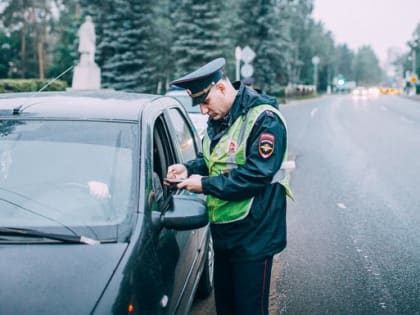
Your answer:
<point x="192" y="183"/>
<point x="99" y="190"/>
<point x="177" y="171"/>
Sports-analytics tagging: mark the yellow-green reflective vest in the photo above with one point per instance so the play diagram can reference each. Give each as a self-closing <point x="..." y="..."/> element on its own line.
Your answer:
<point x="229" y="153"/>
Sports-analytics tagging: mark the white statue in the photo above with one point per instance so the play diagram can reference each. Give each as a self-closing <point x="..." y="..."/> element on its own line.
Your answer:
<point x="87" y="39"/>
<point x="87" y="74"/>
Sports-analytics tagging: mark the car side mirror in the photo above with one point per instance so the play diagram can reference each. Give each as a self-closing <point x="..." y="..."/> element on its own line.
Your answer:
<point x="186" y="213"/>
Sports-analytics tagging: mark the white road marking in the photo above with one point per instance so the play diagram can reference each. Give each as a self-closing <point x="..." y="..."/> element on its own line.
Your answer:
<point x="313" y="112"/>
<point x="341" y="205"/>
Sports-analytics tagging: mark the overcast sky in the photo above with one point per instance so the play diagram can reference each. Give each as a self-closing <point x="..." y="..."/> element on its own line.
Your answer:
<point x="378" y="23"/>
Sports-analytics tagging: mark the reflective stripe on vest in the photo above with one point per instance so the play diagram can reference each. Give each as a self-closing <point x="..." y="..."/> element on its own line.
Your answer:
<point x="229" y="153"/>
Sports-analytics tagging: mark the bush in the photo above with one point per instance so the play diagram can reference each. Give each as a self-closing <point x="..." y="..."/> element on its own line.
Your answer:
<point x="30" y="85"/>
<point x="292" y="91"/>
<point x="278" y="92"/>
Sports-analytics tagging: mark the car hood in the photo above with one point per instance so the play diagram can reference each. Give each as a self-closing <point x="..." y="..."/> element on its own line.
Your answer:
<point x="55" y="279"/>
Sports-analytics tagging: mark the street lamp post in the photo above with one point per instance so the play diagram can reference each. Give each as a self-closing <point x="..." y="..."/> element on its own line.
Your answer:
<point x="238" y="53"/>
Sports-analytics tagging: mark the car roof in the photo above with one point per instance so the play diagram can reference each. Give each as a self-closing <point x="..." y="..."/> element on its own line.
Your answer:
<point x="100" y="104"/>
<point x="177" y="92"/>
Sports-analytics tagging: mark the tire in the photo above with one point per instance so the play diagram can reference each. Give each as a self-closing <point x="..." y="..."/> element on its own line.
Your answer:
<point x="205" y="286"/>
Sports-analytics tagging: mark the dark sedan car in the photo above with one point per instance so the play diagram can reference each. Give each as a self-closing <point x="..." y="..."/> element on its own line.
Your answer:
<point x="86" y="225"/>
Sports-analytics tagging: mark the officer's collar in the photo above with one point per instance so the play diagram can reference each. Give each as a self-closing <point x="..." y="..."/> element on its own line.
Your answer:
<point x="238" y="107"/>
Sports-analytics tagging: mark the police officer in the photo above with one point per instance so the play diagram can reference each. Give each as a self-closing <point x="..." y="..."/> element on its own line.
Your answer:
<point x="239" y="171"/>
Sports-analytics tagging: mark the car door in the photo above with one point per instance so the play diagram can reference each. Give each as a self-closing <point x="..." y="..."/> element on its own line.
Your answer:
<point x="188" y="147"/>
<point x="175" y="249"/>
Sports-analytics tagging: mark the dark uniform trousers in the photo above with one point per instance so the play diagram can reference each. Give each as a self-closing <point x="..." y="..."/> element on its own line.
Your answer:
<point x="241" y="287"/>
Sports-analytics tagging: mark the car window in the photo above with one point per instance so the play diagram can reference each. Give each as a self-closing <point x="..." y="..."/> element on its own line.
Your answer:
<point x="184" y="135"/>
<point x="47" y="167"/>
<point x="163" y="156"/>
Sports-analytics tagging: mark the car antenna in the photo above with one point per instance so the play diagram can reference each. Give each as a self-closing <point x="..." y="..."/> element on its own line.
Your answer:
<point x="18" y="109"/>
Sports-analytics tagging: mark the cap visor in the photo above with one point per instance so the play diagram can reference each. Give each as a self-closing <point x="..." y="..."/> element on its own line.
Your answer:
<point x="198" y="100"/>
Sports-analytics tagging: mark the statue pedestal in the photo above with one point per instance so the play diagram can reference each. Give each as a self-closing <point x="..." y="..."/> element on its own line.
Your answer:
<point x="86" y="75"/>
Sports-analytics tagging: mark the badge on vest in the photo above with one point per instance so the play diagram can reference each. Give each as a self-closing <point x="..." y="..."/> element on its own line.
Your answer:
<point x="233" y="146"/>
<point x="266" y="145"/>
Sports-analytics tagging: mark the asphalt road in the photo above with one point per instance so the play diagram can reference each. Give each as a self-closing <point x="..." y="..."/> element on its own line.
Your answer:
<point x="354" y="229"/>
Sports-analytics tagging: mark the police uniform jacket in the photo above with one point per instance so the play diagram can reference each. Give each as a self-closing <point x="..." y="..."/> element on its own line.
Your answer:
<point x="263" y="232"/>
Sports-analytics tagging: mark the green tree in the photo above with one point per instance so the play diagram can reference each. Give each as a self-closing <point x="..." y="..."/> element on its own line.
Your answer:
<point x="414" y="45"/>
<point x="15" y="18"/>
<point x="366" y="67"/>
<point x="271" y="50"/>
<point x="344" y="62"/>
<point x="146" y="46"/>
<point x="263" y="27"/>
<point x="115" y="48"/>
<point x="9" y="53"/>
<point x="163" y="38"/>
<point x="298" y="13"/>
<point x="198" y="30"/>
<point x="32" y="19"/>
<point x="63" y="41"/>
<point x="127" y="43"/>
<point x="405" y="61"/>
<point x="323" y="46"/>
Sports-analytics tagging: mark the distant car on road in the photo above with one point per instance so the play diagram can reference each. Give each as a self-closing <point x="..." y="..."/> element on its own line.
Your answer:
<point x="360" y="91"/>
<point x="86" y="226"/>
<point x="365" y="92"/>
<point x="199" y="120"/>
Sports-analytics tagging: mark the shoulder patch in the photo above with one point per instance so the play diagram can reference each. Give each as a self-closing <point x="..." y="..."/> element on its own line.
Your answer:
<point x="266" y="145"/>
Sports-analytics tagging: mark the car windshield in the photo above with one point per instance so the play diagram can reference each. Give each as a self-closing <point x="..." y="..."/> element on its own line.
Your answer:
<point x="67" y="173"/>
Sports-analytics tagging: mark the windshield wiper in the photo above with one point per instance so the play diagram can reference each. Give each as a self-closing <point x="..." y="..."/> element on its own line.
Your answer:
<point x="37" y="213"/>
<point x="10" y="231"/>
